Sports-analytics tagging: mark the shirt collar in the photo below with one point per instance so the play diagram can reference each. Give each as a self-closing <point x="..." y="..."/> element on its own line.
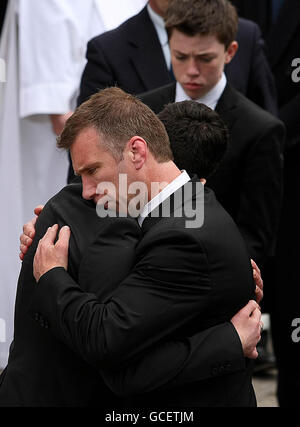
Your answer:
<point x="211" y="99"/>
<point x="159" y="25"/>
<point x="170" y="189"/>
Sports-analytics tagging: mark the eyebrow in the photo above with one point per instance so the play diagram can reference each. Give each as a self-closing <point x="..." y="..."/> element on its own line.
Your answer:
<point x="86" y="168"/>
<point x="200" y="54"/>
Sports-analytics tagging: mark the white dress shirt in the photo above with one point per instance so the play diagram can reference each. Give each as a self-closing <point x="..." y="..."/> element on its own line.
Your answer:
<point x="170" y="189"/>
<point x="211" y="99"/>
<point x="159" y="25"/>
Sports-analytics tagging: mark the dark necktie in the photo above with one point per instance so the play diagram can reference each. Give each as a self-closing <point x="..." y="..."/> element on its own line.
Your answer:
<point x="276" y="6"/>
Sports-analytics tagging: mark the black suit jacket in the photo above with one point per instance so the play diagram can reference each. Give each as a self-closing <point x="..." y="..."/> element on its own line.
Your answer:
<point x="43" y="371"/>
<point x="131" y="57"/>
<point x="184" y="279"/>
<point x="282" y="42"/>
<point x="249" y="181"/>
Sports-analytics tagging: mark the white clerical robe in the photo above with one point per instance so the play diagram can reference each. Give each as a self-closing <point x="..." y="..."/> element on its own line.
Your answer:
<point x="43" y="44"/>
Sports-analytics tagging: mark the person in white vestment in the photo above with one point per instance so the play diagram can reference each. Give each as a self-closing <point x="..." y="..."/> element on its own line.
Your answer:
<point x="43" y="46"/>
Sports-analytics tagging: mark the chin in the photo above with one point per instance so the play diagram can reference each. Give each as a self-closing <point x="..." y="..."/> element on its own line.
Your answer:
<point x="194" y="96"/>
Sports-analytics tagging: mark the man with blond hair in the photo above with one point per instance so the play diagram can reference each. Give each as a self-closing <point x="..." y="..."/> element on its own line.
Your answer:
<point x="185" y="281"/>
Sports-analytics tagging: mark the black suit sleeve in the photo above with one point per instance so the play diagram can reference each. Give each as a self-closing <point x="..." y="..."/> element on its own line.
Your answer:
<point x="153" y="303"/>
<point x="97" y="73"/>
<point x="214" y="352"/>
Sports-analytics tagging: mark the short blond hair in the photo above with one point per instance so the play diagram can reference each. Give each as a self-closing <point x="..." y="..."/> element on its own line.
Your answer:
<point x="117" y="117"/>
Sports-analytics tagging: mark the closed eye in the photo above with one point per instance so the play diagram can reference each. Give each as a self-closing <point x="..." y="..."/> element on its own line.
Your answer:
<point x="91" y="171"/>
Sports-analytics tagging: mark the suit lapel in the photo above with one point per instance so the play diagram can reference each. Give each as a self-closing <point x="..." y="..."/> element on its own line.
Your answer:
<point x="151" y="68"/>
<point x="165" y="96"/>
<point x="227" y="106"/>
<point x="157" y="99"/>
<point x="284" y="29"/>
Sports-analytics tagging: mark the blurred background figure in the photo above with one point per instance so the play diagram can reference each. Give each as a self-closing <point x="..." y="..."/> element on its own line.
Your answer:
<point x="280" y="23"/>
<point x="43" y="45"/>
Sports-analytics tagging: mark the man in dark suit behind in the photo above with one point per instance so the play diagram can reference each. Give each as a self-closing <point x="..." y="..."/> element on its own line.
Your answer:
<point x="184" y="278"/>
<point x="280" y="21"/>
<point x="136" y="57"/>
<point x="248" y="183"/>
<point x="43" y="371"/>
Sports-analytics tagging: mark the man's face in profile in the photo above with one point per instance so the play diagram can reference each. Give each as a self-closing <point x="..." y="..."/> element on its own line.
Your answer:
<point x="198" y="61"/>
<point x="94" y="164"/>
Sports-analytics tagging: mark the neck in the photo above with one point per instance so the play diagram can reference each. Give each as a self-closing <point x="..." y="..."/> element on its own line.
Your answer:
<point x="162" y="173"/>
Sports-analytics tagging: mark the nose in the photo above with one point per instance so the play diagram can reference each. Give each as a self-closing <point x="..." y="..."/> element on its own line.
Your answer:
<point x="88" y="189"/>
<point x="193" y="69"/>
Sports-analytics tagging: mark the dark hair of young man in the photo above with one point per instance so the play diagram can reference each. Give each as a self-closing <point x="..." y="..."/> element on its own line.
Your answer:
<point x="203" y="17"/>
<point x="198" y="136"/>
